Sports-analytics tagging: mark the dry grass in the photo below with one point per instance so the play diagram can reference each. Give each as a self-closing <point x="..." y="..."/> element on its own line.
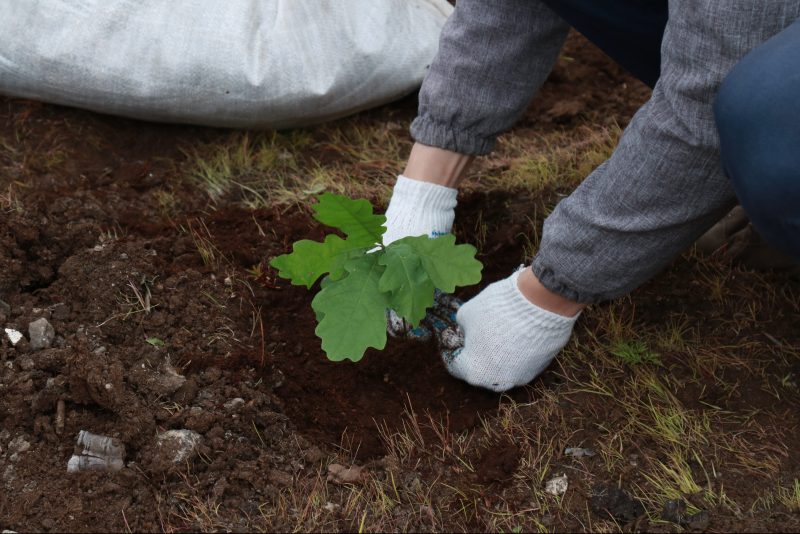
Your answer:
<point x="267" y="169"/>
<point x="553" y="161"/>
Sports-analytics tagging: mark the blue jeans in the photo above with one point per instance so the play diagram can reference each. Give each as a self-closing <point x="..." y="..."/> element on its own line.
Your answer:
<point x="757" y="109"/>
<point x="630" y="31"/>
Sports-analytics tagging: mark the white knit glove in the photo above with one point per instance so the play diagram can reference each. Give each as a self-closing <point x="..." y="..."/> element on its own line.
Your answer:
<point x="417" y="208"/>
<point x="501" y="339"/>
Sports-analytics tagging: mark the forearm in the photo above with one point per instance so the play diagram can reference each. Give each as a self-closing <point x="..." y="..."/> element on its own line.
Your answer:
<point x="493" y="57"/>
<point x="664" y="185"/>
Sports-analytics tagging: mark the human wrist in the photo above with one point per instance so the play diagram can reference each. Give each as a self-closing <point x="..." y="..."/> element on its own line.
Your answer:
<point x="436" y="165"/>
<point x="536" y="293"/>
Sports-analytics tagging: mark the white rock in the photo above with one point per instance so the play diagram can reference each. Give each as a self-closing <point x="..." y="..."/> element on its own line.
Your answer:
<point x="234" y="403"/>
<point x="180" y="445"/>
<point x="331" y="507"/>
<point x="13" y="335"/>
<point x="19" y="444"/>
<point x="579" y="452"/>
<point x="41" y="333"/>
<point x="557" y="485"/>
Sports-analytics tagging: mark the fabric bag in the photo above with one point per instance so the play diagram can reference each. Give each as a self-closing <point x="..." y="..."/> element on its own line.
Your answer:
<point x="237" y="63"/>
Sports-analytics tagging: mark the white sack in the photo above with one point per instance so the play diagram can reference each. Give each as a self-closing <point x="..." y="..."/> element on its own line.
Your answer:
<point x="238" y="63"/>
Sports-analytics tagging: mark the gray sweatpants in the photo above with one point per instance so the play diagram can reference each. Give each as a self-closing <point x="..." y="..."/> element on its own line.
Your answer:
<point x="664" y="184"/>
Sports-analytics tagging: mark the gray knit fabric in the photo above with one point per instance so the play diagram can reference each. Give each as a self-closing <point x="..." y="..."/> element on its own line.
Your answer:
<point x="662" y="187"/>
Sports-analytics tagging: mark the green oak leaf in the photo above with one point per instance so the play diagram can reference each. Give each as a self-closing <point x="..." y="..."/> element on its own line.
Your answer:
<point x="448" y="265"/>
<point x="353" y="311"/>
<point x="353" y="217"/>
<point x="311" y="259"/>
<point x="408" y="284"/>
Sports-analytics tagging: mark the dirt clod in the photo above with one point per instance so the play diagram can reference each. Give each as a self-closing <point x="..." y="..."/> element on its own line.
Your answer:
<point x="699" y="521"/>
<point x="674" y="511"/>
<point x="616" y="503"/>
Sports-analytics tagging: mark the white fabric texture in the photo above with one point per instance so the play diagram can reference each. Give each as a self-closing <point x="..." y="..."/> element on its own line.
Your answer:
<point x="508" y="340"/>
<point x="238" y="63"/>
<point x="419" y="208"/>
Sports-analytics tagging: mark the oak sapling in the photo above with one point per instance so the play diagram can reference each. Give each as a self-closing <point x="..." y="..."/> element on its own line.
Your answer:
<point x="362" y="277"/>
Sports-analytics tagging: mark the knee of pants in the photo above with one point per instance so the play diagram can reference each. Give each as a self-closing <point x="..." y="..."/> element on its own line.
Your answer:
<point x="757" y="111"/>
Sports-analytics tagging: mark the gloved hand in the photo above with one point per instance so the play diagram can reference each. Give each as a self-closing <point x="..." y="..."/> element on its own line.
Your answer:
<point x="499" y="339"/>
<point x="417" y="208"/>
<point x="441" y="316"/>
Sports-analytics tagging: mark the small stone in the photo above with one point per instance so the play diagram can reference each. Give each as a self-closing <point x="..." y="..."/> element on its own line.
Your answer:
<point x="41" y="334"/>
<point x="234" y="403"/>
<point x="19" y="444"/>
<point x="14" y="336"/>
<point x="179" y="445"/>
<point x="578" y="452"/>
<point x="557" y="485"/>
<point x="5" y="307"/>
<point x="331" y="507"/>
<point x="339" y="474"/>
<point x="25" y="363"/>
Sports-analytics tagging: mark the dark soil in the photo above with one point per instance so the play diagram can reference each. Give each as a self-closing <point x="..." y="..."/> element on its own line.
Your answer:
<point x="258" y="390"/>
